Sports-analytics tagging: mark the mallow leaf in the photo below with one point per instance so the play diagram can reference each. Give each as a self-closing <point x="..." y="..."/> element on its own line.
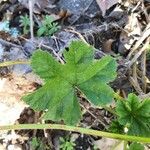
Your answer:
<point x="135" y="115"/>
<point x="116" y="127"/>
<point x="58" y="96"/>
<point x="136" y="146"/>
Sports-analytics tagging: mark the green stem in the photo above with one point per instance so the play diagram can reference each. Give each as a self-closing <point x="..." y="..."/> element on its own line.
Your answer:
<point x="77" y="129"/>
<point x="125" y="145"/>
<point x="9" y="63"/>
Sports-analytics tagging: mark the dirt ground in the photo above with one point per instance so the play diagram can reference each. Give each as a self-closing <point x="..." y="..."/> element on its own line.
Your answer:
<point x="120" y="28"/>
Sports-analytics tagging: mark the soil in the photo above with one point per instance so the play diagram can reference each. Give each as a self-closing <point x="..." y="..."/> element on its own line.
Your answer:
<point x="115" y="30"/>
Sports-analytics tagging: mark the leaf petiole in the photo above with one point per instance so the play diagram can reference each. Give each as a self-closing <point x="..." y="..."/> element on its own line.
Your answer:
<point x="9" y="63"/>
<point x="76" y="129"/>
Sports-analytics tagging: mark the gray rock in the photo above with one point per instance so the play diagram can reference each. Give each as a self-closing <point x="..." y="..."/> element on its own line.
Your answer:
<point x="75" y="6"/>
<point x="29" y="48"/>
<point x="86" y="9"/>
<point x="1" y="51"/>
<point x="14" y="55"/>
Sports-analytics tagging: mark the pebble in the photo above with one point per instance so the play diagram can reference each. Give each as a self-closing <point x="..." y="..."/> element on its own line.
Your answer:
<point x="78" y="8"/>
<point x="14" y="55"/>
<point x="1" y="51"/>
<point x="14" y="147"/>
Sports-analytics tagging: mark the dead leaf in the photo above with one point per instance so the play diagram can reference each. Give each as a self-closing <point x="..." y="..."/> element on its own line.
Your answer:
<point x="38" y="5"/>
<point x="106" y="143"/>
<point x="106" y="4"/>
<point x="11" y="91"/>
<point x="107" y="46"/>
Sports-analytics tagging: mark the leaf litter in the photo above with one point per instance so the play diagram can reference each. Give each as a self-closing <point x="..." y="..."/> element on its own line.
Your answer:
<point x="125" y="24"/>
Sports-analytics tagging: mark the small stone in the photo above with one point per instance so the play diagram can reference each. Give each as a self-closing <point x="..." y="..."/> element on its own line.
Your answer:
<point x="1" y="51"/>
<point x="16" y="54"/>
<point x="14" y="147"/>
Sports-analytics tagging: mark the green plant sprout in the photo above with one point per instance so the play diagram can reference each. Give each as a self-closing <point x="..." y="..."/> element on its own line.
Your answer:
<point x="66" y="144"/>
<point x="48" y="27"/>
<point x="25" y="23"/>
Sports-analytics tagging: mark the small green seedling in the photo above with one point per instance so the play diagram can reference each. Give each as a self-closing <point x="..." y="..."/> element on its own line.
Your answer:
<point x="66" y="144"/>
<point x="48" y="27"/>
<point x="25" y="23"/>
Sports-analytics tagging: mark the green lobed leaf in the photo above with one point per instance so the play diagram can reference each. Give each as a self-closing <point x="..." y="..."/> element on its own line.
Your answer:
<point x="58" y="96"/>
<point x="45" y="65"/>
<point x="135" y="114"/>
<point x="68" y="109"/>
<point x="136" y="146"/>
<point x="116" y="127"/>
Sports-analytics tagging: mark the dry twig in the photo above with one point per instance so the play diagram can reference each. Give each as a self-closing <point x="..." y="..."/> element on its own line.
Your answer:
<point x="146" y="34"/>
<point x="136" y="56"/>
<point x="135" y="85"/>
<point x="31" y="3"/>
